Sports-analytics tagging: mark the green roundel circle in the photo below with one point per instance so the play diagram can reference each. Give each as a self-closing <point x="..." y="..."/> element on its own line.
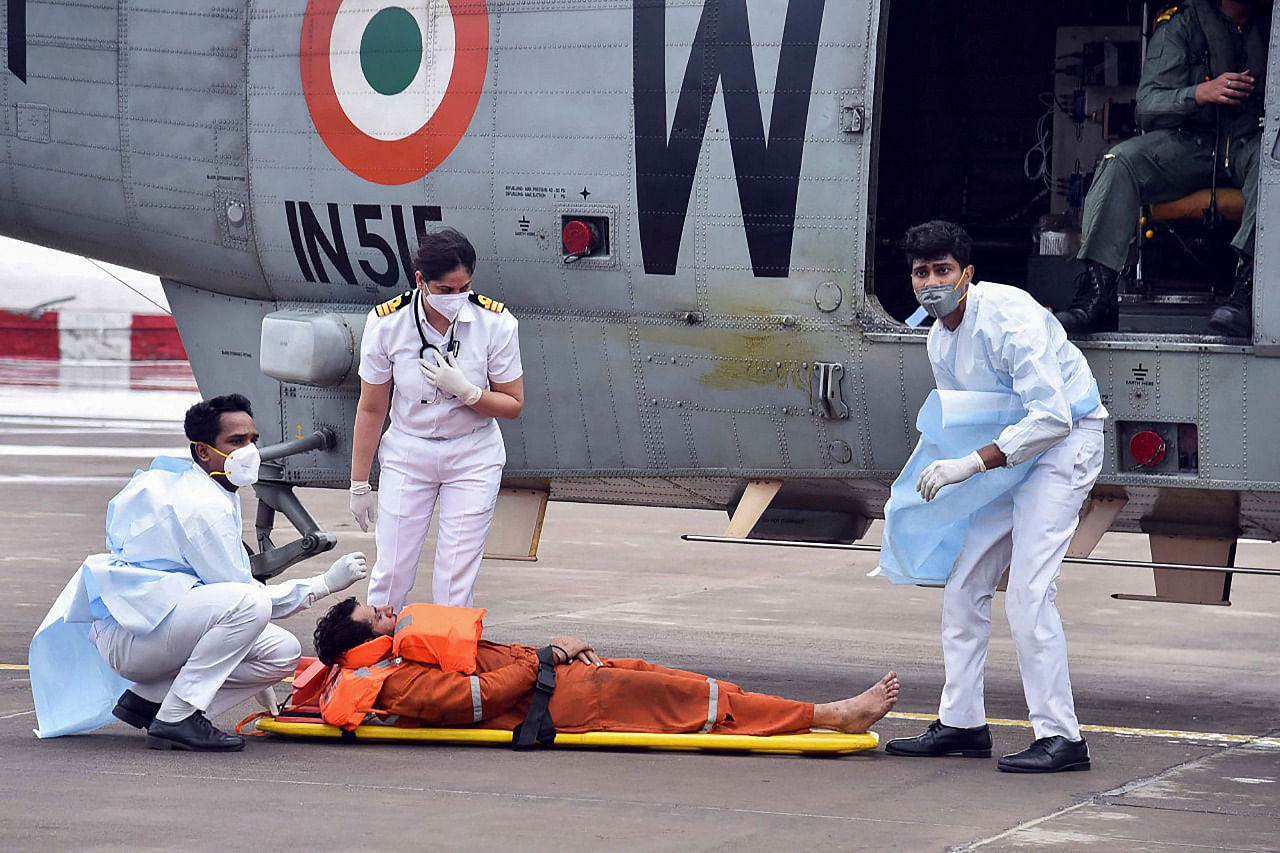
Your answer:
<point x="391" y="50"/>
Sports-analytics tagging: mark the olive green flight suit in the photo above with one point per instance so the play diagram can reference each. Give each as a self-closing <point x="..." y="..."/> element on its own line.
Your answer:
<point x="1175" y="156"/>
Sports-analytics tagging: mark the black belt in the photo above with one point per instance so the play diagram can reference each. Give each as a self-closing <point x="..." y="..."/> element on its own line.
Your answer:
<point x="537" y="728"/>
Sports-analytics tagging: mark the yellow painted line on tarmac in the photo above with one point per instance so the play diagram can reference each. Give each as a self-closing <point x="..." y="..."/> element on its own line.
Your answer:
<point x="1124" y="731"/>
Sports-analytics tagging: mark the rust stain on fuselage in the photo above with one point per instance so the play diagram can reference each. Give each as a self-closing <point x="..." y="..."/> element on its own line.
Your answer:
<point x="732" y="359"/>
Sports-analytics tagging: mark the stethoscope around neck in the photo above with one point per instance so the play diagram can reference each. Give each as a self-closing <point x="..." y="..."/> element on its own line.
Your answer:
<point x="452" y="346"/>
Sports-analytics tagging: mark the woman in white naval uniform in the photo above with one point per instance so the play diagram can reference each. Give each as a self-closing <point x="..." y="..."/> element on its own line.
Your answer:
<point x="445" y="362"/>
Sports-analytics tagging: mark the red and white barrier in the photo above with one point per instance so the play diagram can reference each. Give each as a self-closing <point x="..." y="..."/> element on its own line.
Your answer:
<point x="89" y="336"/>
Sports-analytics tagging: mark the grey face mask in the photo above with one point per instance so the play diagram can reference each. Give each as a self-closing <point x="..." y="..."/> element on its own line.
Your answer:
<point x="939" y="300"/>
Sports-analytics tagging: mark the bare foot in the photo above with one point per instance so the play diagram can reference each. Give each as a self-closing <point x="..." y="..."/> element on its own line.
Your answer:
<point x="858" y="714"/>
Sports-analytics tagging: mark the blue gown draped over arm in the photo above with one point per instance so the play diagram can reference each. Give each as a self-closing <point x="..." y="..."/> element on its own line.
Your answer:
<point x="923" y="539"/>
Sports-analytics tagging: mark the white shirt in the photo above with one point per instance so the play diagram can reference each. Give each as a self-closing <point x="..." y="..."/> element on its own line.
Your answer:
<point x="1007" y="341"/>
<point x="489" y="351"/>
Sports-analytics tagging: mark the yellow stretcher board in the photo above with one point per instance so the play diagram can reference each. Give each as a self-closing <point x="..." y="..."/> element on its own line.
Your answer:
<point x="811" y="743"/>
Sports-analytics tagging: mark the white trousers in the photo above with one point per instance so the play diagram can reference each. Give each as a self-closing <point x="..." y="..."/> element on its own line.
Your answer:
<point x="1027" y="531"/>
<point x="460" y="475"/>
<point x="216" y="649"/>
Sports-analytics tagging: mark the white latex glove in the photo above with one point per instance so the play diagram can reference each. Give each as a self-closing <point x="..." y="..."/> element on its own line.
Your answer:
<point x="345" y="571"/>
<point x="945" y="472"/>
<point x="449" y="378"/>
<point x="267" y="699"/>
<point x="364" y="504"/>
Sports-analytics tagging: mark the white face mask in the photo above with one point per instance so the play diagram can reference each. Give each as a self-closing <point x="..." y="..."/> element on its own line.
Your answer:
<point x="448" y="304"/>
<point x="242" y="465"/>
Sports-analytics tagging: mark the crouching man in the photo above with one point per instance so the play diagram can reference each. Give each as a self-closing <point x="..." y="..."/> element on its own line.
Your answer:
<point x="171" y="614"/>
<point x="590" y="693"/>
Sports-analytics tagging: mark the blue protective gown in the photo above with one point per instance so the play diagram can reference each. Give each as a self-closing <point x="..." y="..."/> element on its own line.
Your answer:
<point x="171" y="528"/>
<point x="1007" y="374"/>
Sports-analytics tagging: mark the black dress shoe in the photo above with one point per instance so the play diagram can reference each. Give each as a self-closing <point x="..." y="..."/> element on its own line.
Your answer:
<point x="944" y="740"/>
<point x="1048" y="755"/>
<point x="134" y="710"/>
<point x="195" y="733"/>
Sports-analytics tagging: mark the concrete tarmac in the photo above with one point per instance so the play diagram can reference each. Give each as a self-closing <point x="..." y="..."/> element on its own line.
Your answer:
<point x="1183" y="702"/>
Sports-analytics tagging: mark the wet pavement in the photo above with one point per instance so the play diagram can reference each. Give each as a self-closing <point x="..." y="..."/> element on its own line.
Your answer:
<point x="1182" y="703"/>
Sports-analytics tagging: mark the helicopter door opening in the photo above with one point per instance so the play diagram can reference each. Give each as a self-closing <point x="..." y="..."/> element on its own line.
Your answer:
<point x="995" y="115"/>
<point x="1266" y="331"/>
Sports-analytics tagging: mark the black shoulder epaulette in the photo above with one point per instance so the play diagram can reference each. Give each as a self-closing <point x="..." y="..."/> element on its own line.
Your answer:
<point x="393" y="305"/>
<point x="490" y="304"/>
<point x="1166" y="15"/>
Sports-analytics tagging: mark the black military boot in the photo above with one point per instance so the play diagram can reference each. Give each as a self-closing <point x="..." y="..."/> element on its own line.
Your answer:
<point x="1234" y="318"/>
<point x="1094" y="307"/>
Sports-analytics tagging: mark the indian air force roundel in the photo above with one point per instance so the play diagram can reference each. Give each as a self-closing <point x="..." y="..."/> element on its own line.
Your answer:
<point x="392" y="87"/>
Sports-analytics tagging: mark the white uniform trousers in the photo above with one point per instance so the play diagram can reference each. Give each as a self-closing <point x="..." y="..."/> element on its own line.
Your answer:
<point x="462" y="475"/>
<point x="1026" y="530"/>
<point x="216" y="649"/>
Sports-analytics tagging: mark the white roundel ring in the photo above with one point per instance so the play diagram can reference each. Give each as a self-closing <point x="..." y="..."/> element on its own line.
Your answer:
<point x="392" y="86"/>
<point x="359" y="61"/>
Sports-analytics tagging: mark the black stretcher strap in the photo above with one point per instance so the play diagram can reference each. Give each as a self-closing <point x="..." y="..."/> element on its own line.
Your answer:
<point x="537" y="728"/>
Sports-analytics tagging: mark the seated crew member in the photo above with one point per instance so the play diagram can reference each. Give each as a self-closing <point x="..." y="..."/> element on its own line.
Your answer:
<point x="173" y="609"/>
<point x="1202" y="83"/>
<point x="591" y="693"/>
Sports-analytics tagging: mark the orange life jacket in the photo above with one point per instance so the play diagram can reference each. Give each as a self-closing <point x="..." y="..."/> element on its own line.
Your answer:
<point x="354" y="682"/>
<point x="446" y="637"/>
<point x="309" y="679"/>
<point x="442" y="636"/>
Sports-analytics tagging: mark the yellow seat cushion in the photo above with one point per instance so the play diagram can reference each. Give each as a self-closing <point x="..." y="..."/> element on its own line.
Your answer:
<point x="1193" y="206"/>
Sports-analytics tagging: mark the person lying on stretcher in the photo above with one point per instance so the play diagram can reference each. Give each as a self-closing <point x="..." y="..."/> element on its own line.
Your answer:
<point x="492" y="687"/>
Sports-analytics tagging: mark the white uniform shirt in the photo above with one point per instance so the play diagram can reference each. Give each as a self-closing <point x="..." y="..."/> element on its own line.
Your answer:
<point x="489" y="351"/>
<point x="1007" y="341"/>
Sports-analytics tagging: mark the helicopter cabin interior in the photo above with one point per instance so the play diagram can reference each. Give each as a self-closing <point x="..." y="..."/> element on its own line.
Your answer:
<point x="995" y="115"/>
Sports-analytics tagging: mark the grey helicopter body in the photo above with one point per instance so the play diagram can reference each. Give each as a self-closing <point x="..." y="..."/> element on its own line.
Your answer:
<point x="683" y="202"/>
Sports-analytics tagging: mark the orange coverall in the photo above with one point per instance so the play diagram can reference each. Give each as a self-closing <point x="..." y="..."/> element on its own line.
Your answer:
<point x="624" y="695"/>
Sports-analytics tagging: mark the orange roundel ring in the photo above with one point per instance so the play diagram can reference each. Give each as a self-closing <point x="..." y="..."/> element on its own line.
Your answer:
<point x="400" y="161"/>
